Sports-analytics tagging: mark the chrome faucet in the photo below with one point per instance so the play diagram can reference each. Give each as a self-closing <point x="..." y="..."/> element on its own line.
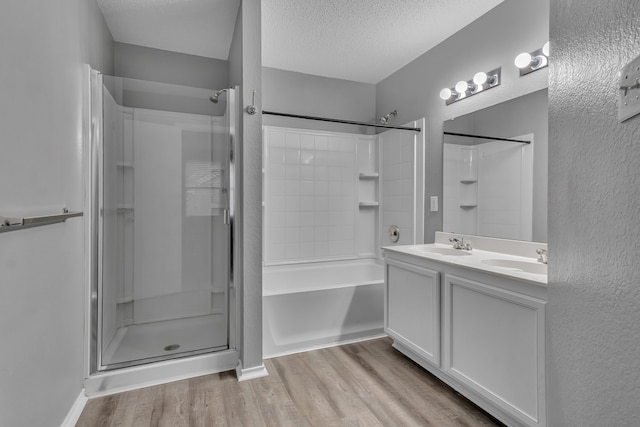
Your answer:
<point x="461" y="244"/>
<point x="542" y="255"/>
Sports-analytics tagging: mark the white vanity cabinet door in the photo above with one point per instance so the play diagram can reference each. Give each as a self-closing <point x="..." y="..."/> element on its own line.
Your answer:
<point x="494" y="344"/>
<point x="412" y="308"/>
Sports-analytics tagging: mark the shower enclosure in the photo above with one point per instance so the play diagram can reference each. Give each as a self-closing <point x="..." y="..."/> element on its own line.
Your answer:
<point x="162" y="186"/>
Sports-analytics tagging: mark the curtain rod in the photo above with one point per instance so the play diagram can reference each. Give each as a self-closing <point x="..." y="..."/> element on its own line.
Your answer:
<point x="349" y="122"/>
<point x="466" y="135"/>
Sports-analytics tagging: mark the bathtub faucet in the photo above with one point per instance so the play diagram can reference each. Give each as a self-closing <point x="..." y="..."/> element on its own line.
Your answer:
<point x="461" y="244"/>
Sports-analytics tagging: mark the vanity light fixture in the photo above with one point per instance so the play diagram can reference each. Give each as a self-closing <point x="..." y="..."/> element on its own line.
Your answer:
<point x="463" y="89"/>
<point x="530" y="62"/>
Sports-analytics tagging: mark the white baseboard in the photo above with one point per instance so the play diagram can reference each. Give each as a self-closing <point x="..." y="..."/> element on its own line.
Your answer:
<point x="325" y="345"/>
<point x="250" y="373"/>
<point x="76" y="410"/>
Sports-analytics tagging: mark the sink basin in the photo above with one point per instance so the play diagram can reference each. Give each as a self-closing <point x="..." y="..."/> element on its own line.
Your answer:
<point x="441" y="251"/>
<point x="510" y="264"/>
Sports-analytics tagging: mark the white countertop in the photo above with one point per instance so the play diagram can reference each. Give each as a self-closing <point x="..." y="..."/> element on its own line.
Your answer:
<point x="474" y="260"/>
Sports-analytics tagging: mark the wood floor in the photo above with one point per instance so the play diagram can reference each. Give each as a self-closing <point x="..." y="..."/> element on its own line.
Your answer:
<point x="362" y="384"/>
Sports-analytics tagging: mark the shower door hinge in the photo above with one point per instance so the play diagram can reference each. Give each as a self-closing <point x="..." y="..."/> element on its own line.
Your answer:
<point x="231" y="155"/>
<point x="226" y="217"/>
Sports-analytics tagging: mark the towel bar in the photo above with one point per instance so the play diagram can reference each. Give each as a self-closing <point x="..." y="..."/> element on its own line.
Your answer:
<point x="11" y="224"/>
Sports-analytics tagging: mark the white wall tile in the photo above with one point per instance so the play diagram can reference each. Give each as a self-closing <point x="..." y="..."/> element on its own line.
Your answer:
<point x="310" y="189"/>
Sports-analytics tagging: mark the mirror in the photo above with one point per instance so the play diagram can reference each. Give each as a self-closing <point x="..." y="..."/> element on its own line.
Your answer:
<point x="495" y="170"/>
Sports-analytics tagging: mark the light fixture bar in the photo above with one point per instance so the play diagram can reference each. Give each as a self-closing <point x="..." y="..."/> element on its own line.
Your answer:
<point x="479" y="83"/>
<point x="533" y="61"/>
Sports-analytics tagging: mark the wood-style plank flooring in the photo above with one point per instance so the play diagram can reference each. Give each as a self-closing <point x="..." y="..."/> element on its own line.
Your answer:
<point x="363" y="384"/>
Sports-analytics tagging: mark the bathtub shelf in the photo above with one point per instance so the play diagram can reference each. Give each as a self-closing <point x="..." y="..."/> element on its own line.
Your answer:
<point x="369" y="175"/>
<point x="125" y="164"/>
<point x="369" y="204"/>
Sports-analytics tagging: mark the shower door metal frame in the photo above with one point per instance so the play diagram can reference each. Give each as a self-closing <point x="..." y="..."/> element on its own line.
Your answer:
<point x="94" y="200"/>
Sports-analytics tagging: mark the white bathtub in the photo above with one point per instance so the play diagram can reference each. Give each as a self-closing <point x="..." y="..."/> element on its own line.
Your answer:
<point x="314" y="305"/>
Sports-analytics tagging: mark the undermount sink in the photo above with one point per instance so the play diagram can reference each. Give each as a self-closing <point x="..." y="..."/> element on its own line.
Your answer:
<point x="510" y="264"/>
<point x="441" y="251"/>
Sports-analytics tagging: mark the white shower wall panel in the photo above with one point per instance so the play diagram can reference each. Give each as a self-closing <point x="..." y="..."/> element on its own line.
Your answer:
<point x="402" y="178"/>
<point x="310" y="201"/>
<point x="158" y="209"/>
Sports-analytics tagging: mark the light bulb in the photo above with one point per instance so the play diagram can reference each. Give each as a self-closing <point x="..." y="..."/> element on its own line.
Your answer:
<point x="445" y="94"/>
<point x="480" y="78"/>
<point x="523" y="60"/>
<point x="538" y="62"/>
<point x="462" y="86"/>
<point x="545" y="49"/>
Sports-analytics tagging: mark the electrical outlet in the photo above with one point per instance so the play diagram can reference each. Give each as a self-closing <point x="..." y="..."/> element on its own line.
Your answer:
<point x="629" y="90"/>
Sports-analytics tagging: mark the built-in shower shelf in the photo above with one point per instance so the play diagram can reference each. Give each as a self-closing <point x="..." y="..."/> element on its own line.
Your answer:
<point x="125" y="299"/>
<point x="369" y="204"/>
<point x="125" y="208"/>
<point x="368" y="175"/>
<point x="468" y="180"/>
<point x="218" y="291"/>
<point x="125" y="164"/>
<point x="468" y="205"/>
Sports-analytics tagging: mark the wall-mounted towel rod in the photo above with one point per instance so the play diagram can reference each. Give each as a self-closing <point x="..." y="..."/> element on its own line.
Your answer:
<point x="348" y="122"/>
<point x="11" y="224"/>
<point x="466" y="135"/>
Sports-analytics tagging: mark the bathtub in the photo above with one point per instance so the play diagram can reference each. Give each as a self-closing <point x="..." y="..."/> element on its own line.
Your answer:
<point x="315" y="305"/>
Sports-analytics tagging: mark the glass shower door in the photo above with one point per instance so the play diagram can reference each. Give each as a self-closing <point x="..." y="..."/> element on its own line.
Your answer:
<point x="164" y="237"/>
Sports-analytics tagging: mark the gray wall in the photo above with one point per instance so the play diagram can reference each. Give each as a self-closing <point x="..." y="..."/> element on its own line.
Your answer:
<point x="594" y="234"/>
<point x="145" y="63"/>
<point x="245" y="70"/>
<point x="306" y="94"/>
<point x="523" y="115"/>
<point x="491" y="41"/>
<point x="43" y="290"/>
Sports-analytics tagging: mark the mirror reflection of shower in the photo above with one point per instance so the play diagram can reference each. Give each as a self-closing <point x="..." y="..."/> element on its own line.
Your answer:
<point x="214" y="98"/>
<point x="385" y="119"/>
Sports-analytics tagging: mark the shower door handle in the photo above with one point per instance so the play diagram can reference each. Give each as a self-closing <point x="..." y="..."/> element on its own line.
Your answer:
<point x="226" y="217"/>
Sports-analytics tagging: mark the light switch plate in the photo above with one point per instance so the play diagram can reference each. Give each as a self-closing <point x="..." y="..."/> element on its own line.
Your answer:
<point x="434" y="203"/>
<point x="629" y="90"/>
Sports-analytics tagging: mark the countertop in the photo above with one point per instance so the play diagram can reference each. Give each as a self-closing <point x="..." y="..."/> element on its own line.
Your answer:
<point x="474" y="260"/>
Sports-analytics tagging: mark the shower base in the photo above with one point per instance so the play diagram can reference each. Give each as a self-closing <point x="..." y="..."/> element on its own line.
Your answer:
<point x="168" y="338"/>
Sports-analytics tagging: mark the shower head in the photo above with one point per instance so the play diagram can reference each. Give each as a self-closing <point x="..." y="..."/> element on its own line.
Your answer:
<point x="385" y="119"/>
<point x="214" y="98"/>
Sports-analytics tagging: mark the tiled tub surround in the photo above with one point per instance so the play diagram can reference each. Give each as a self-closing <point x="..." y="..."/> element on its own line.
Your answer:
<point x="310" y="196"/>
<point x="333" y="196"/>
<point x="478" y="327"/>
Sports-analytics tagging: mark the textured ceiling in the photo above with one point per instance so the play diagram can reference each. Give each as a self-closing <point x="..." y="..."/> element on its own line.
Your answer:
<point x="360" y="40"/>
<point x="196" y="27"/>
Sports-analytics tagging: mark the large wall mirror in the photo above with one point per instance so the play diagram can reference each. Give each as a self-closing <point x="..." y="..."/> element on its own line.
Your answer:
<point x="495" y="170"/>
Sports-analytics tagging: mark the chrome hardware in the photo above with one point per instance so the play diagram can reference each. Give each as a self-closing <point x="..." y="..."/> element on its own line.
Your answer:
<point x="394" y="234"/>
<point x="251" y="109"/>
<point x="542" y="255"/>
<point x="461" y="244"/>
<point x="10" y="224"/>
<point x="226" y="217"/>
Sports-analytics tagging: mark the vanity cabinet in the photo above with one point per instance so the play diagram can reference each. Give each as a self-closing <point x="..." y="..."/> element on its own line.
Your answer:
<point x="412" y="314"/>
<point x="481" y="334"/>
